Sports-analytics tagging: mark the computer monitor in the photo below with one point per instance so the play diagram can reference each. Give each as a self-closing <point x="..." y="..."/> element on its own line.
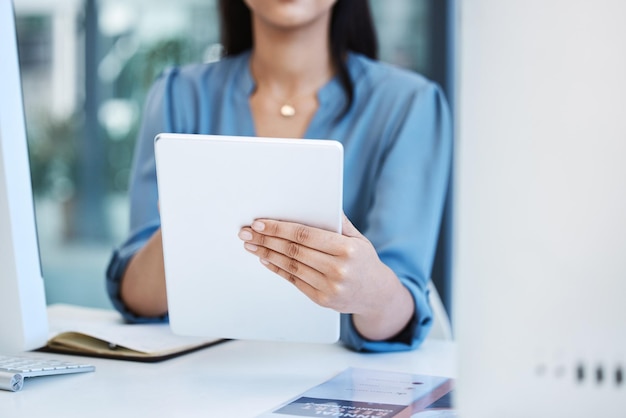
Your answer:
<point x="540" y="209"/>
<point x="23" y="319"/>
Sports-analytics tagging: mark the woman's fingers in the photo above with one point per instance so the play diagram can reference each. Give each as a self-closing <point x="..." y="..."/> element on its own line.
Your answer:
<point x="262" y="245"/>
<point x="292" y="263"/>
<point x="332" y="269"/>
<point x="321" y="240"/>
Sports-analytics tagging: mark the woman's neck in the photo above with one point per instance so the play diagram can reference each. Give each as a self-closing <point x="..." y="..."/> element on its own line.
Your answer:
<point x="291" y="62"/>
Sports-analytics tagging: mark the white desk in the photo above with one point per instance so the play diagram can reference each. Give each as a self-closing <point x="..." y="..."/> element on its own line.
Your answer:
<point x="234" y="379"/>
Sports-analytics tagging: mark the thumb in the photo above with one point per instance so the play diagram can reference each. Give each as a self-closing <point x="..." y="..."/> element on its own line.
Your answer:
<point x="348" y="229"/>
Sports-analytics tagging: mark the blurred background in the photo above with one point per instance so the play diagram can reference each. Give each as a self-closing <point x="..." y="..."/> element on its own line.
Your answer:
<point x="86" y="67"/>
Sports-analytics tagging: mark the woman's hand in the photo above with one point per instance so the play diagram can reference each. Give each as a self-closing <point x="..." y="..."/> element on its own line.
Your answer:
<point x="338" y="271"/>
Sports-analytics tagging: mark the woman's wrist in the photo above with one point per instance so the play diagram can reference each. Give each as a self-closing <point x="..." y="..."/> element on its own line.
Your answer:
<point x="389" y="316"/>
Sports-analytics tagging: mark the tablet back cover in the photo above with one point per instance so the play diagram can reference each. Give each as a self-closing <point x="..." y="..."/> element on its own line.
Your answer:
<point x="211" y="186"/>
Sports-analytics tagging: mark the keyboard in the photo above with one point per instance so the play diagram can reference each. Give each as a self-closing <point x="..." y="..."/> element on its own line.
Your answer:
<point x="13" y="369"/>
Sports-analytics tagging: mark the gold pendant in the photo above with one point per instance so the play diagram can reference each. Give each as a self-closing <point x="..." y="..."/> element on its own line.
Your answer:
<point x="287" y="110"/>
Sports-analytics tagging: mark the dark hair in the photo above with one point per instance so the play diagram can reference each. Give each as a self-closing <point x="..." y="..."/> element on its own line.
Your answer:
<point x="351" y="29"/>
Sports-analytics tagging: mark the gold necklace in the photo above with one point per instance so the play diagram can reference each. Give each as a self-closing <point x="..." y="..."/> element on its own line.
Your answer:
<point x="287" y="109"/>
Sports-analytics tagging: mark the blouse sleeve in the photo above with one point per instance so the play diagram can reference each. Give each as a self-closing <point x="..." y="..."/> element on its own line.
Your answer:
<point x="144" y="213"/>
<point x="404" y="220"/>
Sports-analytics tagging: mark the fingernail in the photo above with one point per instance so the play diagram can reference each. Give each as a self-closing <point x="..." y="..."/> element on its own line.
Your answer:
<point x="264" y="261"/>
<point x="245" y="235"/>
<point x="250" y="247"/>
<point x="258" y="226"/>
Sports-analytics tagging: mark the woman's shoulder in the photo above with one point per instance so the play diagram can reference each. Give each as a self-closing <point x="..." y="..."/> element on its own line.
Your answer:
<point x="185" y="93"/>
<point x="381" y="77"/>
<point x="211" y="72"/>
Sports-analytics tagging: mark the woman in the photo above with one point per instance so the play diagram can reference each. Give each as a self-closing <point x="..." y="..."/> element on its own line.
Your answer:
<point x="307" y="69"/>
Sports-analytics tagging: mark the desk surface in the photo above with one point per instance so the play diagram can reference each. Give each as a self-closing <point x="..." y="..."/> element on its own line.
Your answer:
<point x="233" y="379"/>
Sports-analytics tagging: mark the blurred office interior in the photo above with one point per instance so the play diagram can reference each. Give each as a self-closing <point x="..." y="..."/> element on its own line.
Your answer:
<point x="86" y="67"/>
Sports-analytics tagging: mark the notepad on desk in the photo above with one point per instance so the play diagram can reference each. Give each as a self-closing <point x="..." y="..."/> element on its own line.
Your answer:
<point x="103" y="333"/>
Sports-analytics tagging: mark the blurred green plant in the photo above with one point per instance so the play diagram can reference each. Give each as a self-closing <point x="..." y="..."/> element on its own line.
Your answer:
<point x="52" y="150"/>
<point x="54" y="144"/>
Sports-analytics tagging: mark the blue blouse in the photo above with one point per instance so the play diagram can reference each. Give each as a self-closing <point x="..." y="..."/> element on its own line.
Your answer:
<point x="397" y="153"/>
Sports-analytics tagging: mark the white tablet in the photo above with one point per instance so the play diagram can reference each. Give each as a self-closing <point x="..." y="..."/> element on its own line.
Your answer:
<point x="211" y="186"/>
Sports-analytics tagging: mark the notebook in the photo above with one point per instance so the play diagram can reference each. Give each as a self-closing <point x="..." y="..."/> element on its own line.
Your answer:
<point x="97" y="332"/>
<point x="211" y="186"/>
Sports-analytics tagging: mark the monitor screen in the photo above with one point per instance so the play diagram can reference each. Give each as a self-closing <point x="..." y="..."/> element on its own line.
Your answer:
<point x="540" y="209"/>
<point x="23" y="319"/>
